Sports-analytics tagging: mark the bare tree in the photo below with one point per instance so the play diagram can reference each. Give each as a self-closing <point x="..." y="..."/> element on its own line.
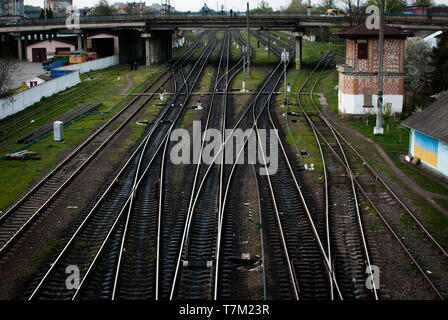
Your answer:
<point x="355" y="10"/>
<point x="324" y="5"/>
<point x="8" y="67"/>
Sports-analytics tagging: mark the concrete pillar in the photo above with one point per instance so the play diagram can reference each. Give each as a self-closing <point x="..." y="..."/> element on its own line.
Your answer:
<point x="26" y="45"/>
<point x="84" y="41"/>
<point x="19" y="48"/>
<point x="147" y="37"/>
<point x="79" y="42"/>
<point x="148" y="56"/>
<point x="298" y="36"/>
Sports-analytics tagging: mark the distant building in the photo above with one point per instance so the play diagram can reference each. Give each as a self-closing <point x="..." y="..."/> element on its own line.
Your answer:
<point x="11" y="8"/>
<point x="32" y="12"/>
<point x="39" y="51"/>
<point x="155" y="7"/>
<point x="358" y="77"/>
<point x="429" y="135"/>
<point x="59" y="7"/>
<point x="417" y="9"/>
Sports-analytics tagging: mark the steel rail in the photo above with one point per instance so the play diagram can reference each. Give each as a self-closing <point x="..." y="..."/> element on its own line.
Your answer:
<point x="37" y="213"/>
<point x="214" y="159"/>
<point x="128" y="204"/>
<point x="211" y="44"/>
<point x="203" y="137"/>
<point x="389" y="227"/>
<point x="336" y="133"/>
<point x="102" y="198"/>
<point x="78" y="149"/>
<point x="192" y="205"/>
<point x="360" y="224"/>
<point x="389" y="190"/>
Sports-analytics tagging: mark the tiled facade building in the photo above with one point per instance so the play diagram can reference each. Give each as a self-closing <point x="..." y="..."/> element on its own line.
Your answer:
<point x="11" y="8"/>
<point x="358" y="77"/>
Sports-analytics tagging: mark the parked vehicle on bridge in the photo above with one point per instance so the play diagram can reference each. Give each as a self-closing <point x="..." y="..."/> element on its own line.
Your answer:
<point x="335" y="13"/>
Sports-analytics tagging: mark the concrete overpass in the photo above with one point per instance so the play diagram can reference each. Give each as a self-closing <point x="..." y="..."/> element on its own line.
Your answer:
<point x="287" y="22"/>
<point x="144" y="33"/>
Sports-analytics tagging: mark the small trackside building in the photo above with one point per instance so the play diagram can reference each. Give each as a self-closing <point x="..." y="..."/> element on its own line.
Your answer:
<point x="358" y="77"/>
<point x="429" y="135"/>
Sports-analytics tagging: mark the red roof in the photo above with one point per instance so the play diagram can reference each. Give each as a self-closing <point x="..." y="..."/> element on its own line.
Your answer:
<point x="361" y="31"/>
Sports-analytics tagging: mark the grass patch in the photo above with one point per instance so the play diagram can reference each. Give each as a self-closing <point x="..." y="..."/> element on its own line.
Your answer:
<point x="330" y="82"/>
<point x="443" y="203"/>
<point x="395" y="142"/>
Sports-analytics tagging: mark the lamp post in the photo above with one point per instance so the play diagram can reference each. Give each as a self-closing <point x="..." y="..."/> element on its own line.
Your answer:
<point x="379" y="112"/>
<point x="285" y="59"/>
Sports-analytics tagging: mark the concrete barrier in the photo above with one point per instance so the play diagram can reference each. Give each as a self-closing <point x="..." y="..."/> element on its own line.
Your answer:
<point x="22" y="100"/>
<point x="92" y="65"/>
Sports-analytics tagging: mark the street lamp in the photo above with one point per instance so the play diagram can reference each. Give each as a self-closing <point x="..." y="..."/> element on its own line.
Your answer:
<point x="379" y="112"/>
<point x="285" y="59"/>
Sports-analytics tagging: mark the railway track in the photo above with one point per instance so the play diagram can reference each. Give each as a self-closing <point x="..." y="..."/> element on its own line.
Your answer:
<point x="308" y="265"/>
<point x="347" y="249"/>
<point x="20" y="216"/>
<point x="288" y="287"/>
<point x="112" y="221"/>
<point x="423" y="250"/>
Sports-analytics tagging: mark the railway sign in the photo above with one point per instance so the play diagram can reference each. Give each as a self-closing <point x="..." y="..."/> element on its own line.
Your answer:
<point x="285" y="56"/>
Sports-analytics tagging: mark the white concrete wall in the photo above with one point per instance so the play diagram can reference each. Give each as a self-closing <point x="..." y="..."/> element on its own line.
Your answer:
<point x="442" y="155"/>
<point x="353" y="103"/>
<point x="442" y="161"/>
<point x="93" y="65"/>
<point x="22" y="100"/>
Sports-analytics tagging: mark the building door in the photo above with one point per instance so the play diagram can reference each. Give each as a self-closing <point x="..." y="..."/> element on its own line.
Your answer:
<point x="368" y="98"/>
<point x="39" y="54"/>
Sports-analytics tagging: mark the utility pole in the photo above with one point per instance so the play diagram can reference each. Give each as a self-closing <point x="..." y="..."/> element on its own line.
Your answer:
<point x="244" y="67"/>
<point x="269" y="44"/>
<point x="285" y="59"/>
<point x="248" y="43"/>
<point x="379" y="112"/>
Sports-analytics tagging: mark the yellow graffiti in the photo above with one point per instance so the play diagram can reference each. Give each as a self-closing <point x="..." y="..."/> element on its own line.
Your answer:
<point x="426" y="155"/>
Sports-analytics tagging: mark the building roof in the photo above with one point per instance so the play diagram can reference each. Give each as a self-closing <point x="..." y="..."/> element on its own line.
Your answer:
<point x="361" y="31"/>
<point x="432" y="121"/>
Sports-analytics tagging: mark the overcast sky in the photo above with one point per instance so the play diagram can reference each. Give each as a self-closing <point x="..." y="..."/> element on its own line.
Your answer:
<point x="195" y="5"/>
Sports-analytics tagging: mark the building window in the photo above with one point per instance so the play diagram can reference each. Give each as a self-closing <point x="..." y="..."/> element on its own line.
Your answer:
<point x="362" y="50"/>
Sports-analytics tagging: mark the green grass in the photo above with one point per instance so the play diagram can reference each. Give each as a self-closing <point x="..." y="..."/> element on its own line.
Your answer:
<point x="330" y="82"/>
<point x="207" y="79"/>
<point x="442" y="202"/>
<point x="188" y="118"/>
<point x="395" y="142"/>
<point x="260" y="55"/>
<point x="303" y="137"/>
